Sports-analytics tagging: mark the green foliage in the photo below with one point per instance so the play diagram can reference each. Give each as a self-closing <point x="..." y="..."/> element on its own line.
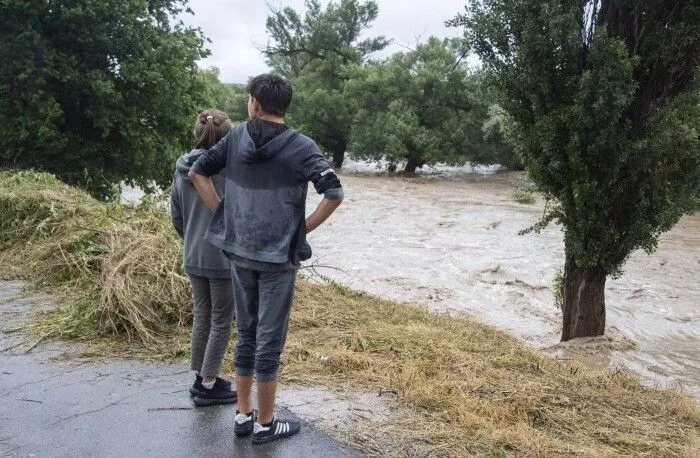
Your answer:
<point x="423" y="107"/>
<point x="497" y="147"/>
<point x="524" y="196"/>
<point x="320" y="52"/>
<point x="229" y="98"/>
<point x="320" y="34"/>
<point x="605" y="107"/>
<point x="558" y="288"/>
<point x="421" y="104"/>
<point x="98" y="91"/>
<point x="321" y="108"/>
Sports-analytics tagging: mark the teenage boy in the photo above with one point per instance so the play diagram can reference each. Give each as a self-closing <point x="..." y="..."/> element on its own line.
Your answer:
<point x="262" y="228"/>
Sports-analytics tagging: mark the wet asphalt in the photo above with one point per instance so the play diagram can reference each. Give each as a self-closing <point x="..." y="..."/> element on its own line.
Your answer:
<point x="55" y="403"/>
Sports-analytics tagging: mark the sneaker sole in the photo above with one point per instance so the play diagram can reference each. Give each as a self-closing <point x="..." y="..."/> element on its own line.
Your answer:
<point x="267" y="439"/>
<point x="202" y="402"/>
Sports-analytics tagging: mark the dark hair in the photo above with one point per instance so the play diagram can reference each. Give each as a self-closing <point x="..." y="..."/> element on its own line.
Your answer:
<point x="273" y="92"/>
<point x="211" y="126"/>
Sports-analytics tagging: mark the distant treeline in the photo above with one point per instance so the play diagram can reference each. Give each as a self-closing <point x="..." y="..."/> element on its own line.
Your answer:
<point x="104" y="92"/>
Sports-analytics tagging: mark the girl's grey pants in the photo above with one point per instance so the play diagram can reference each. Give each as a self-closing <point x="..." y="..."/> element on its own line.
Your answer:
<point x="211" y="329"/>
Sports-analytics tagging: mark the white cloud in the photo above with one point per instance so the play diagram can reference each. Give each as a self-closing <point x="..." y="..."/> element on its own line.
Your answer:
<point x="237" y="28"/>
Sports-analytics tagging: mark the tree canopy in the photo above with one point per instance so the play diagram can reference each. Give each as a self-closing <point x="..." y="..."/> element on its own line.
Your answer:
<point x="319" y="52"/>
<point x="296" y="40"/>
<point x="98" y="91"/>
<point x="227" y="97"/>
<point x="423" y="107"/>
<point x="414" y="108"/>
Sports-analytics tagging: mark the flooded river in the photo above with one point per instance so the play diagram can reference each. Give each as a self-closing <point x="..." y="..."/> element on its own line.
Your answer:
<point x="448" y="238"/>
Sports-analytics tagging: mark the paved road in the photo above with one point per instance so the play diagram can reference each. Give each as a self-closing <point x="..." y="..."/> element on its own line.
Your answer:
<point x="56" y="405"/>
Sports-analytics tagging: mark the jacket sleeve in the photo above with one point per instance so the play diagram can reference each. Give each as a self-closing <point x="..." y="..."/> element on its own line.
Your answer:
<point x="315" y="168"/>
<point x="176" y="209"/>
<point x="213" y="161"/>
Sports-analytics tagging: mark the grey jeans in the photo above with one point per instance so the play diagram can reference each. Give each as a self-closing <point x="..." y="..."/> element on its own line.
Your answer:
<point x="263" y="304"/>
<point x="211" y="329"/>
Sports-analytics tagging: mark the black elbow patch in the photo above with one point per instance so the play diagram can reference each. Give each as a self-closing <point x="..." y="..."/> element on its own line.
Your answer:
<point x="326" y="180"/>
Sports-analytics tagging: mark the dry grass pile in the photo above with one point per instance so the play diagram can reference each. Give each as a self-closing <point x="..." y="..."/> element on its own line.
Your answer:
<point x="464" y="388"/>
<point x="114" y="267"/>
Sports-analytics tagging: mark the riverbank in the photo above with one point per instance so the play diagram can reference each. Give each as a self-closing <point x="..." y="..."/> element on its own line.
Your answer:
<point x="461" y="387"/>
<point x="448" y="238"/>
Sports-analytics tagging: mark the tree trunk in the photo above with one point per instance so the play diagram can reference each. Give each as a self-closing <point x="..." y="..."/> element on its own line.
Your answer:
<point x="584" y="301"/>
<point x="338" y="157"/>
<point x="412" y="163"/>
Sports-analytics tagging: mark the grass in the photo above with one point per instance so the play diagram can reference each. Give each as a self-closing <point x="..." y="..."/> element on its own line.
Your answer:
<point x="462" y="388"/>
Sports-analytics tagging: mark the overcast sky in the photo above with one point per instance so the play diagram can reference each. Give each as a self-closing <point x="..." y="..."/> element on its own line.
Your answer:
<point x="236" y="28"/>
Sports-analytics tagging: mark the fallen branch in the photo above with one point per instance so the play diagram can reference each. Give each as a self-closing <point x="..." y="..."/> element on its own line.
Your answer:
<point x="36" y="343"/>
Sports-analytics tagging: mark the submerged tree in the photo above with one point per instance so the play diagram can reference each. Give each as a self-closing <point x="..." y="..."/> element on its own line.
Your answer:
<point x="321" y="108"/>
<point x="97" y="91"/>
<point x="317" y="51"/>
<point x="497" y="147"/>
<point x="420" y="107"/>
<point x="606" y="108"/>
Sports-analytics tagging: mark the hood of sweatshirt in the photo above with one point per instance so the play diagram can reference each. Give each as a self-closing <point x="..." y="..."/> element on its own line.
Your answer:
<point x="265" y="139"/>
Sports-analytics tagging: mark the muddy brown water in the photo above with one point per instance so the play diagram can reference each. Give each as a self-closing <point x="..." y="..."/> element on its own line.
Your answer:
<point x="449" y="239"/>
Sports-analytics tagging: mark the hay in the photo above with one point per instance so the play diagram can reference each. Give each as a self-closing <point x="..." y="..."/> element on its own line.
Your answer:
<point x="462" y="388"/>
<point x="480" y="390"/>
<point x="114" y="267"/>
<point x="143" y="291"/>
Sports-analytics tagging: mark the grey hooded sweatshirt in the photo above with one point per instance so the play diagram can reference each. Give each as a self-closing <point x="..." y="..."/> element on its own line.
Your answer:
<point x="268" y="168"/>
<point x="190" y="217"/>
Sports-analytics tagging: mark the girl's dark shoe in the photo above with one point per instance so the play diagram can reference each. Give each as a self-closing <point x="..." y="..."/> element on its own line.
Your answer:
<point x="218" y="394"/>
<point x="197" y="386"/>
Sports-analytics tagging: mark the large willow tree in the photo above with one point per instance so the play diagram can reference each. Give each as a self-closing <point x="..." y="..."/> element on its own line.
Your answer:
<point x="605" y="98"/>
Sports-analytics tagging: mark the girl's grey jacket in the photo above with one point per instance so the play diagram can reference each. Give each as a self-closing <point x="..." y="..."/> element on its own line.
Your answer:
<point x="191" y="217"/>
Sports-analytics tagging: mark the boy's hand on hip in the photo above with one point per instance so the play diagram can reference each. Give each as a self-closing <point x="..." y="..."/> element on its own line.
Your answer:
<point x="324" y="209"/>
